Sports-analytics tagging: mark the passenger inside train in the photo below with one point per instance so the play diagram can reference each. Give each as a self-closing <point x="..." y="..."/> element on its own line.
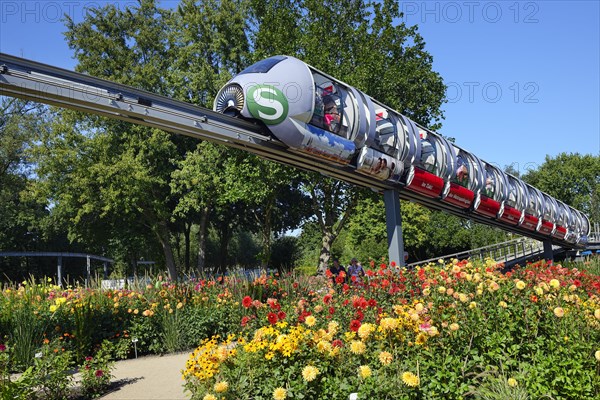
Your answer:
<point x="331" y="118"/>
<point x="462" y="173"/>
<point x="489" y="187"/>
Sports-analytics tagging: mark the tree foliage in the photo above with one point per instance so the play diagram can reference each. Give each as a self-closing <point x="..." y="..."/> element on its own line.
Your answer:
<point x="571" y="178"/>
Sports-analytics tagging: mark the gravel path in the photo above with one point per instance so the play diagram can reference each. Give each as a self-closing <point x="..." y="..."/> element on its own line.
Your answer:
<point x="151" y="377"/>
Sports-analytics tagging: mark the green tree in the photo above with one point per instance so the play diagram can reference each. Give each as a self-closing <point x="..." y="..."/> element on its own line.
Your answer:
<point x="21" y="215"/>
<point x="133" y="164"/>
<point x="572" y="178"/>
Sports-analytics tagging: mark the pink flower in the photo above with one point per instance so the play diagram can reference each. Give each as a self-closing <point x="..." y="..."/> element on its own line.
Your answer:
<point x="2" y="347"/>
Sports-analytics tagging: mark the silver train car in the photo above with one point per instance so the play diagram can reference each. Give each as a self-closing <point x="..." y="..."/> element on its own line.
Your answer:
<point x="324" y="118"/>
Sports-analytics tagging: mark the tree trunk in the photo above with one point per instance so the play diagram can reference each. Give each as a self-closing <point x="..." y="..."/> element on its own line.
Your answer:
<point x="186" y="232"/>
<point x="201" y="263"/>
<point x="162" y="231"/>
<point x="325" y="254"/>
<point x="225" y="232"/>
<point x="266" y="237"/>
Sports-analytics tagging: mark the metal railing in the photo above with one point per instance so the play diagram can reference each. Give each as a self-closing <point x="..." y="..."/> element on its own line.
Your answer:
<point x="501" y="252"/>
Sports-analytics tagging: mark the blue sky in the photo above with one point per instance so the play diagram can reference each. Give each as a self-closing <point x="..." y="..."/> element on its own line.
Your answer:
<point x="523" y="76"/>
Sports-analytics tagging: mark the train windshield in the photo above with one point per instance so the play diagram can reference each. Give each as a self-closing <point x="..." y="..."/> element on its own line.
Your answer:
<point x="264" y="66"/>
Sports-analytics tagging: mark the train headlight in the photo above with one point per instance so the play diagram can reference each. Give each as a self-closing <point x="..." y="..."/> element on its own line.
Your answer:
<point x="231" y="100"/>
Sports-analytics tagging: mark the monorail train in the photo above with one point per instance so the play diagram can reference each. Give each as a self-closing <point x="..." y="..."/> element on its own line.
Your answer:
<point x="324" y="118"/>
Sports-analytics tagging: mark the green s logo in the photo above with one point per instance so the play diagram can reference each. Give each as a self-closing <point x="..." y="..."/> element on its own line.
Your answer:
<point x="268" y="104"/>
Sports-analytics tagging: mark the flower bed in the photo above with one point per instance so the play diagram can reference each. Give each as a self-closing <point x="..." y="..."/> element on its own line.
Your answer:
<point x="439" y="331"/>
<point x="444" y="331"/>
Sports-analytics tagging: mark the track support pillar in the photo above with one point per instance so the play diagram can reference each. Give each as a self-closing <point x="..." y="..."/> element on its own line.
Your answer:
<point x="393" y="221"/>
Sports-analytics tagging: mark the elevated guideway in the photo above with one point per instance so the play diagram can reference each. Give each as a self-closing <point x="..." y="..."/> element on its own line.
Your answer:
<point x="67" y="89"/>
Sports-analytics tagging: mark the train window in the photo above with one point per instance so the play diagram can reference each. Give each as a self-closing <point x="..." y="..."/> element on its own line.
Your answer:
<point x="428" y="153"/>
<point x="386" y="136"/>
<point x="491" y="182"/>
<point x="328" y="108"/>
<point x="514" y="194"/>
<point x="550" y="208"/>
<point x="534" y="202"/>
<point x="461" y="174"/>
<point x="264" y="66"/>
<point x="563" y="214"/>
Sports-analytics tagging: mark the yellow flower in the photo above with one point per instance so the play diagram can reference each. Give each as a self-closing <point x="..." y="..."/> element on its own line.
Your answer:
<point x="209" y="396"/>
<point x="554" y="283"/>
<point x="494" y="286"/>
<point x="365" y="330"/>
<point x="472" y="305"/>
<point x="410" y="379"/>
<point x="333" y="327"/>
<point x="419" y="307"/>
<point x="597" y="355"/>
<point x="520" y="285"/>
<point x="441" y="290"/>
<point x="279" y="393"/>
<point x="597" y="313"/>
<point x="502" y="304"/>
<point x="454" y="327"/>
<point x="52" y="308"/>
<point x="463" y="297"/>
<point x="309" y="373"/>
<point x="539" y="291"/>
<point x="221" y="387"/>
<point x="364" y="371"/>
<point x="388" y="323"/>
<point x="357" y="347"/>
<point x="385" y="358"/>
<point x="179" y="305"/>
<point x="421" y="339"/>
<point x="426" y="291"/>
<point x="559" y="312"/>
<point x="512" y="382"/>
<point x="324" y="346"/>
<point x="311" y="320"/>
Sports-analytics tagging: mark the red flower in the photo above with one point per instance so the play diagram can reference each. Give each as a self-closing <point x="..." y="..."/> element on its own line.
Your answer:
<point x="99" y="373"/>
<point x="359" y="315"/>
<point x="337" y="343"/>
<point x="2" y="347"/>
<point x="331" y="310"/>
<point x="247" y="302"/>
<point x="88" y="358"/>
<point x="372" y="303"/>
<point x="533" y="298"/>
<point x="354" y="325"/>
<point x="393" y="263"/>
<point x="281" y="315"/>
<point x="327" y="298"/>
<point x="245" y="320"/>
<point x="272" y="317"/>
